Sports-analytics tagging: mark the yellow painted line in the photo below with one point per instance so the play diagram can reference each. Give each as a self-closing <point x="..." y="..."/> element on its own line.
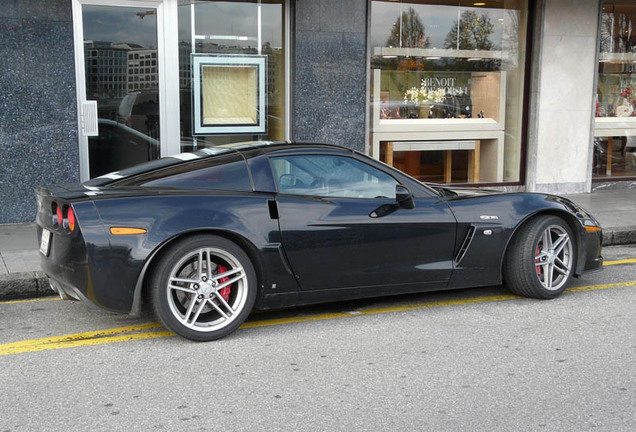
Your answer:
<point x="415" y="306"/>
<point x="377" y="311"/>
<point x="82" y="339"/>
<point x="601" y="286"/>
<point x="138" y="332"/>
<point x="623" y="261"/>
<point x="33" y="347"/>
<point x="43" y="299"/>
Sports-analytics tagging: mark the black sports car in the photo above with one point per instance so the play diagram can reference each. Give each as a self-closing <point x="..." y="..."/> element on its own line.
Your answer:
<point x="210" y="235"/>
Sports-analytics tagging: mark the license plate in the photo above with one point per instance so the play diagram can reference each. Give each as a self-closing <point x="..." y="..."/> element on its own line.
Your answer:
<point x="46" y="242"/>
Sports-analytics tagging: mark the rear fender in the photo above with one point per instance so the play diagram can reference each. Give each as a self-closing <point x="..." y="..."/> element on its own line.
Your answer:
<point x="270" y="254"/>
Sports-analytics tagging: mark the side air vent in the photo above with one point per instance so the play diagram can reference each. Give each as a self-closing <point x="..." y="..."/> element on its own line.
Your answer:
<point x="273" y="209"/>
<point x="465" y="245"/>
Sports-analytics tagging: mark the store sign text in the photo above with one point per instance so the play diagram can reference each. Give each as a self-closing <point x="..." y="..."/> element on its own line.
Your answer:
<point x="448" y="84"/>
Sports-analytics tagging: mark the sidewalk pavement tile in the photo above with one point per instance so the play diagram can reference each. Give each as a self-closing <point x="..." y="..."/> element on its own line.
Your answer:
<point x="18" y="237"/>
<point x="22" y="261"/>
<point x="3" y="267"/>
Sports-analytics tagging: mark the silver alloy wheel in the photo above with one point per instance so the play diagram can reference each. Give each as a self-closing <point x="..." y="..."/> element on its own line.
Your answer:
<point x="554" y="257"/>
<point x="196" y="286"/>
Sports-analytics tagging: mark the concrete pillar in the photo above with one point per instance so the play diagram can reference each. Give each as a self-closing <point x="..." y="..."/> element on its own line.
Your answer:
<point x="560" y="128"/>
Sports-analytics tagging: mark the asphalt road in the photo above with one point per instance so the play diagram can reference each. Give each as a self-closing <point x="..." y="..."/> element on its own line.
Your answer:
<point x="479" y="360"/>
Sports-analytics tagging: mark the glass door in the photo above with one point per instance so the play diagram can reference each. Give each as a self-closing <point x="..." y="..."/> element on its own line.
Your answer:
<point x="120" y="96"/>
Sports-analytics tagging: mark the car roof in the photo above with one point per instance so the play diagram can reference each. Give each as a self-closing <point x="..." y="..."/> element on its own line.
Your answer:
<point x="283" y="146"/>
<point x="246" y="148"/>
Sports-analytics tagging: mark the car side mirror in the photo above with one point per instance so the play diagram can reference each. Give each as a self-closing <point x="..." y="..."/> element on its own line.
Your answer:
<point x="404" y="197"/>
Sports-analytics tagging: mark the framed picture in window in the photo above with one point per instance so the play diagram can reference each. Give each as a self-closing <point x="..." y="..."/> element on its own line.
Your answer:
<point x="229" y="94"/>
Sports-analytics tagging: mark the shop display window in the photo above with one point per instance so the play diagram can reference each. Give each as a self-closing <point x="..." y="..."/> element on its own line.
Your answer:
<point x="231" y="71"/>
<point x="229" y="94"/>
<point x="447" y="80"/>
<point x="615" y="110"/>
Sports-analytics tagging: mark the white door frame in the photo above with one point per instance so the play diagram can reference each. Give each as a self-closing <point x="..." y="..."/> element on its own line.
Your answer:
<point x="168" y="68"/>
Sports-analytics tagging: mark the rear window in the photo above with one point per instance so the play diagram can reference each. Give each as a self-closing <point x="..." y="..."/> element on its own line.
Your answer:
<point x="227" y="172"/>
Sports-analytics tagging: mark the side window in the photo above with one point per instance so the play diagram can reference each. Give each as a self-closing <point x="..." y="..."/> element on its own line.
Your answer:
<point x="331" y="176"/>
<point x="227" y="172"/>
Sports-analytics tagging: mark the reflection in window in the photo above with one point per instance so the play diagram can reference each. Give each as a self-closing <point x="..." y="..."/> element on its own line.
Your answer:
<point x="615" y="126"/>
<point x="128" y="119"/>
<point x="231" y="28"/>
<point x="453" y="62"/>
<point x="226" y="172"/>
<point x="231" y="176"/>
<point x="617" y="81"/>
<point x="331" y="176"/>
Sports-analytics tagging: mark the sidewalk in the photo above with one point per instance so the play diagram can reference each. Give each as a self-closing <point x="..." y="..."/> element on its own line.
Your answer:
<point x="21" y="276"/>
<point x="20" y="273"/>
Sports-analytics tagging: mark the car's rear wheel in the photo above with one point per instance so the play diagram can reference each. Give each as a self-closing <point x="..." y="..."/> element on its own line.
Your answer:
<point x="203" y="288"/>
<point x="541" y="258"/>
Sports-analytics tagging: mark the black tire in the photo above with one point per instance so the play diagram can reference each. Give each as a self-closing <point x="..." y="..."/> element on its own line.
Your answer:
<point x="188" y="293"/>
<point x="533" y="270"/>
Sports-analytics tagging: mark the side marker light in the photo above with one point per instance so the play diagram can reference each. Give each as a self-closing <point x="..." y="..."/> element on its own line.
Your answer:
<point x="127" y="231"/>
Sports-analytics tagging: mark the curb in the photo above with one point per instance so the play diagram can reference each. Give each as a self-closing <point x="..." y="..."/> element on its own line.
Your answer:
<point x="26" y="285"/>
<point x="619" y="236"/>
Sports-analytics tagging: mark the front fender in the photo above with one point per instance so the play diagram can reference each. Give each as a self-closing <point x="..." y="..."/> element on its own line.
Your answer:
<point x="501" y="215"/>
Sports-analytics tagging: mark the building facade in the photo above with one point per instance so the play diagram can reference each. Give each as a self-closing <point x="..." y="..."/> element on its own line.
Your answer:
<point x="534" y="95"/>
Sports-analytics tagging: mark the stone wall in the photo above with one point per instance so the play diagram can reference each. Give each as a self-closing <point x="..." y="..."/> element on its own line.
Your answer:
<point x="38" y="114"/>
<point x="330" y="76"/>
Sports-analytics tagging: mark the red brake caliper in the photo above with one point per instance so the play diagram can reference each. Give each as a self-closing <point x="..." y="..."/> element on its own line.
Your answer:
<point x="539" y="268"/>
<point x="225" y="292"/>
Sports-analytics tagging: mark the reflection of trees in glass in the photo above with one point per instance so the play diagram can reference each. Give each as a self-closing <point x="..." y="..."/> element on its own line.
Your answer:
<point x="474" y="33"/>
<point x="413" y="31"/>
<point x="617" y="33"/>
<point x="510" y="40"/>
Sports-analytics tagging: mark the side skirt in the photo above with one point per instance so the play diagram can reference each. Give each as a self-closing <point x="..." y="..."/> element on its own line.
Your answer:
<point x="280" y="300"/>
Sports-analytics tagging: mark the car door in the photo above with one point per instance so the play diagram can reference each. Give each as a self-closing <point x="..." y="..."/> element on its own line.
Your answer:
<point x="341" y="226"/>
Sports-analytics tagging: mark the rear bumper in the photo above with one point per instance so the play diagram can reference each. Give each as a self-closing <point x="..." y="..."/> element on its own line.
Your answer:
<point x="69" y="292"/>
<point x="82" y="264"/>
<point x="68" y="269"/>
<point x="65" y="264"/>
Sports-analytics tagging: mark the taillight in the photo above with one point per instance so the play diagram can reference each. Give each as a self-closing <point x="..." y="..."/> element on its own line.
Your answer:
<point x="58" y="213"/>
<point x="63" y="217"/>
<point x="70" y="216"/>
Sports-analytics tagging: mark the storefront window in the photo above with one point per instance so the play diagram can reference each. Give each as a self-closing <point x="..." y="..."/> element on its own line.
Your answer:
<point x="615" y="125"/>
<point x="447" y="83"/>
<point x="128" y="132"/>
<point x="231" y="72"/>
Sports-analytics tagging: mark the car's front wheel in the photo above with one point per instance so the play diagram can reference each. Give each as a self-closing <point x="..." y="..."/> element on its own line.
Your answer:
<point x="203" y="288"/>
<point x="541" y="258"/>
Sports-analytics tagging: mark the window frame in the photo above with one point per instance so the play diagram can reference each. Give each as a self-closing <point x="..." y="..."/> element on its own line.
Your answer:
<point x="371" y="168"/>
